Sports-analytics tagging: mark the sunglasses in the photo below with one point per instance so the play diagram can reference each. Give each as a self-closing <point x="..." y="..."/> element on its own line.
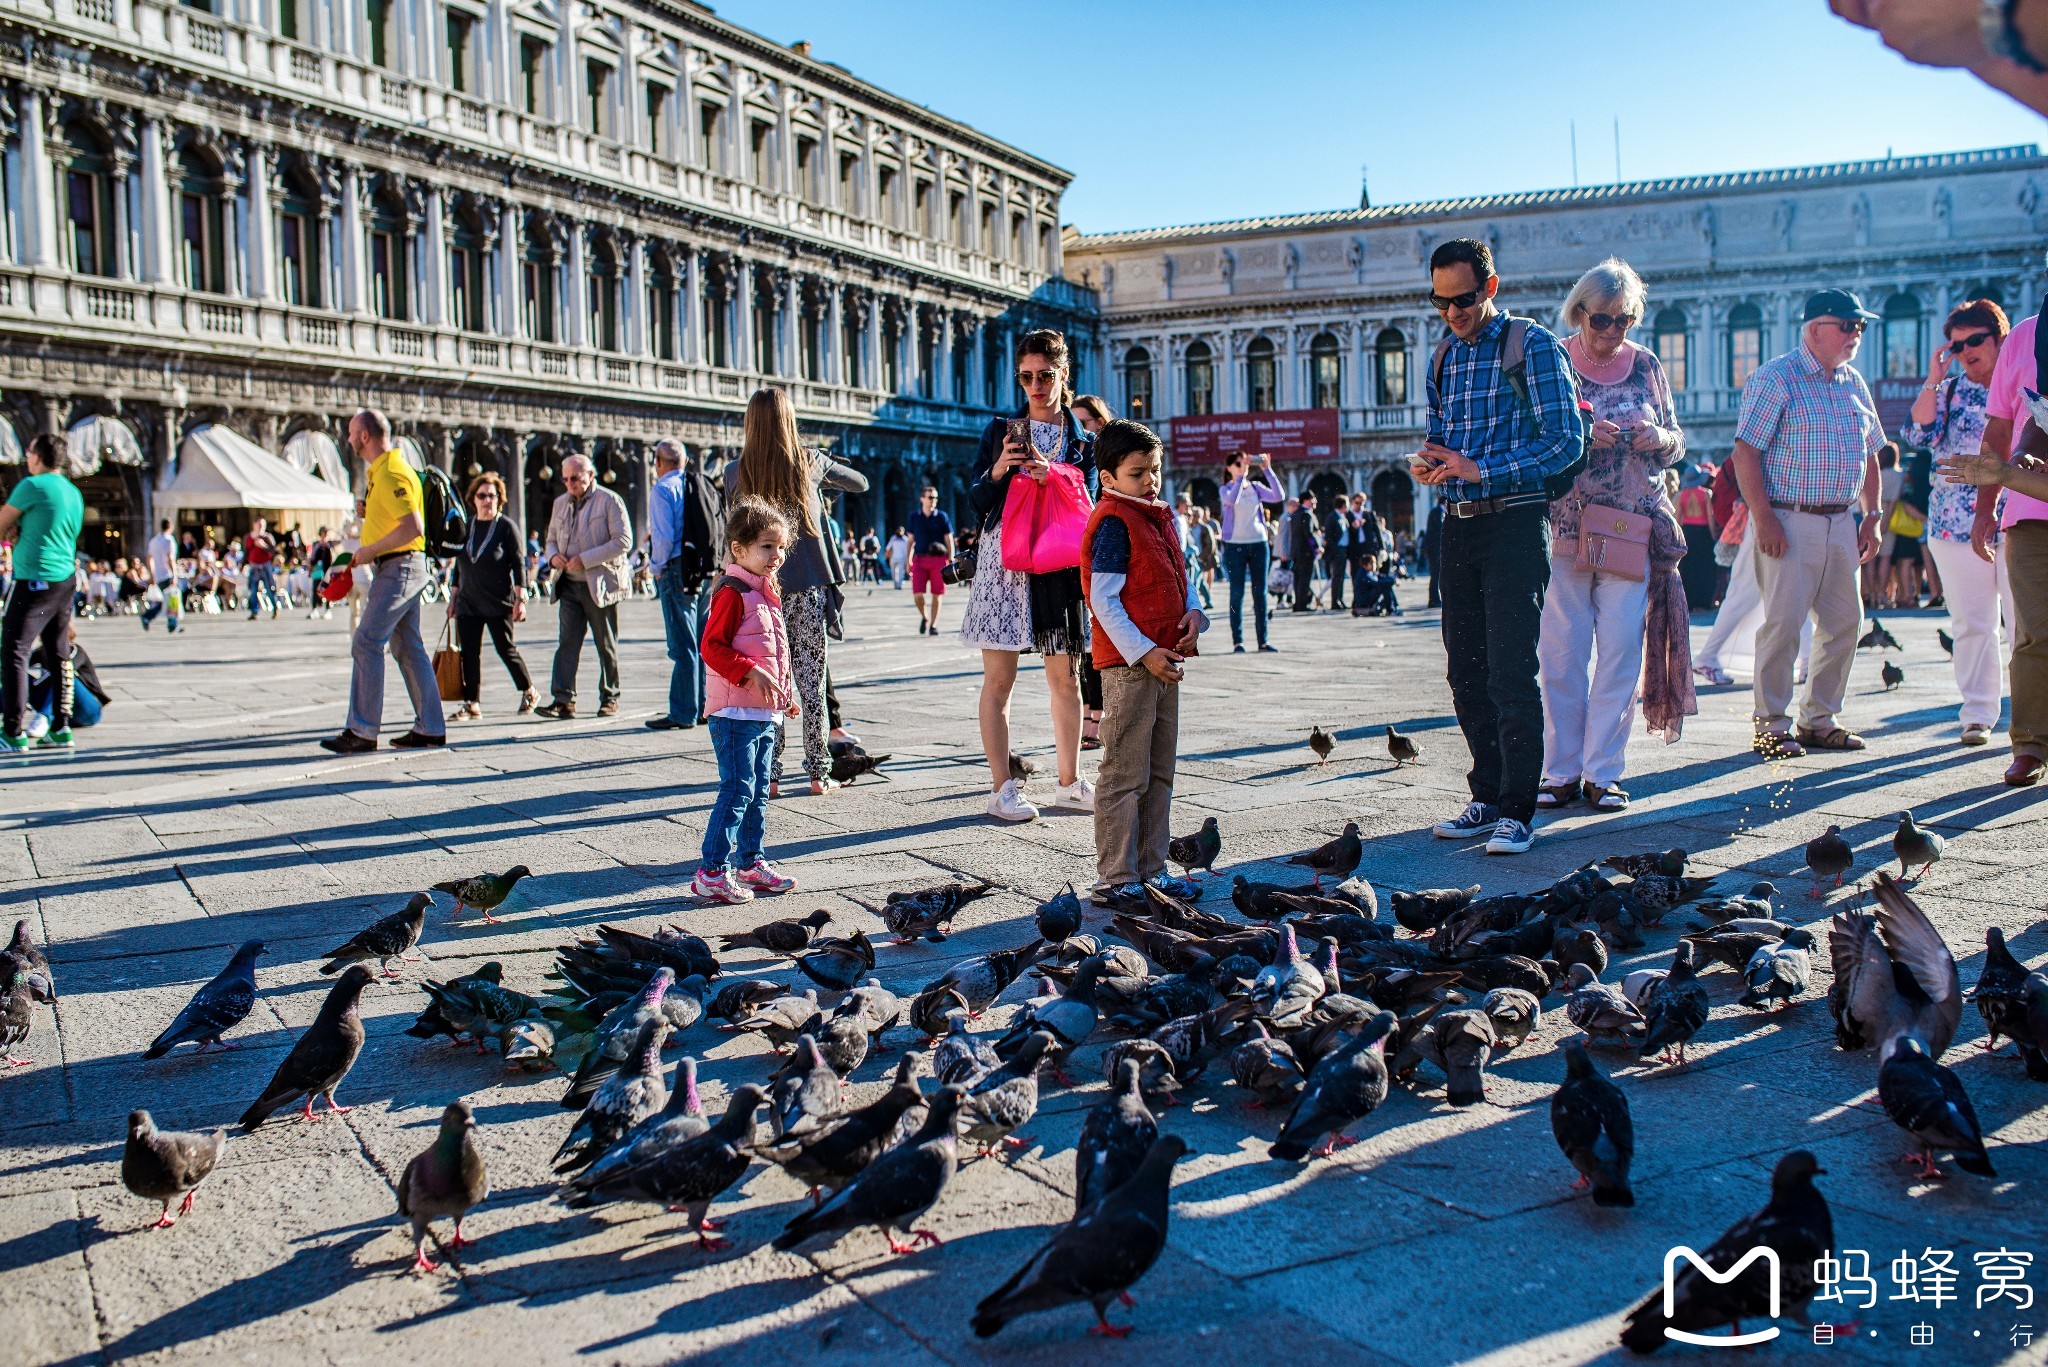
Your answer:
<point x="1609" y="322"/>
<point x="1027" y="378"/>
<point x="1957" y="346"/>
<point x="1853" y="326"/>
<point x="1443" y="303"/>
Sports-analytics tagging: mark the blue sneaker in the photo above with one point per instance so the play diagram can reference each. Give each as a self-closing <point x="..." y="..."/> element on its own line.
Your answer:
<point x="1123" y="897"/>
<point x="1477" y="819"/>
<point x="1182" y="889"/>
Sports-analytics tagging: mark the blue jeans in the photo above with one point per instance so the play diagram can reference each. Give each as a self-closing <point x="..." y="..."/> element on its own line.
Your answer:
<point x="1242" y="558"/>
<point x="739" y="816"/>
<point x="391" y="618"/>
<point x="262" y="582"/>
<point x="682" y="613"/>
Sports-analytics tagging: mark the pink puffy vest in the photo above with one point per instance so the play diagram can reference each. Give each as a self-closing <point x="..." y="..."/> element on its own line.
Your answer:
<point x="761" y="637"/>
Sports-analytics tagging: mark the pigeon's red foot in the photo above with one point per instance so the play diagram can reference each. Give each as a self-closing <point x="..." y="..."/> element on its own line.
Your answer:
<point x="1334" y="1143"/>
<point x="711" y="1243"/>
<point x="489" y="919"/>
<point x="422" y="1263"/>
<point x="714" y="1224"/>
<point x="185" y="1207"/>
<point x="14" y="1062"/>
<point x="1110" y="1331"/>
<point x="1018" y="1141"/>
<point x="1127" y="1299"/>
<point x="1580" y="1183"/>
<point x="165" y="1220"/>
<point x="1926" y="1167"/>
<point x="333" y="1109"/>
<point x="922" y="1237"/>
<point x="459" y="1241"/>
<point x="1255" y="1105"/>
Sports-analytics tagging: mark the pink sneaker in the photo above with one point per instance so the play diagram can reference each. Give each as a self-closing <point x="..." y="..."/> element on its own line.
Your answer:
<point x="718" y="886"/>
<point x="762" y="877"/>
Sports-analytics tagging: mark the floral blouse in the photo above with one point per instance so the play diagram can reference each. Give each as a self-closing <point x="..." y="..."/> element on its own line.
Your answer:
<point x="1618" y="476"/>
<point x="1957" y="430"/>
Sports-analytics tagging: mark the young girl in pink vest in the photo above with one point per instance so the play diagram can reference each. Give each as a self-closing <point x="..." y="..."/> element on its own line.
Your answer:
<point x="748" y="691"/>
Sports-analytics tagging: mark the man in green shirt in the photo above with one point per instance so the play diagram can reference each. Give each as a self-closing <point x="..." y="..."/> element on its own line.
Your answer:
<point x="43" y="517"/>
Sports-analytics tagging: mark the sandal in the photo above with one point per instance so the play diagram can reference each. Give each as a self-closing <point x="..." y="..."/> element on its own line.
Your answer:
<point x="1609" y="799"/>
<point x="1776" y="745"/>
<point x="822" y="786"/>
<point x="1834" y="738"/>
<point x="1558" y="795"/>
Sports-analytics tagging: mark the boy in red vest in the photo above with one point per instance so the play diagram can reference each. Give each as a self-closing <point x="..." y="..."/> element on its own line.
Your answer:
<point x="1146" y="616"/>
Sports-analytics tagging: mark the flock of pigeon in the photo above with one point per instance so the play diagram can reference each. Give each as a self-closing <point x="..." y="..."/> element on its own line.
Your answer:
<point x="1309" y="1002"/>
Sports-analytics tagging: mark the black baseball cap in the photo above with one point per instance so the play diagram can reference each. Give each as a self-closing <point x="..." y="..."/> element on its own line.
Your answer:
<point x="1836" y="304"/>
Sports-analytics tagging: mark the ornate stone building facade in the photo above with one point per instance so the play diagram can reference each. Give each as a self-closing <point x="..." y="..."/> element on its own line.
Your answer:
<point x="522" y="227"/>
<point x="1327" y="310"/>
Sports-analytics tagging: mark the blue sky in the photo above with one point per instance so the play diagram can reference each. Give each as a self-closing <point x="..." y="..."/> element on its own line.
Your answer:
<point x="1198" y="110"/>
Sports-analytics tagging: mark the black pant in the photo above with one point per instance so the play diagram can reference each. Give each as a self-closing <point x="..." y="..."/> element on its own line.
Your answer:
<point x="1335" y="563"/>
<point x="1495" y="571"/>
<point x="832" y="717"/>
<point x="36" y="612"/>
<point x="469" y="634"/>
<point x="1435" y="560"/>
<point x="1304" y="566"/>
<point x="580" y="612"/>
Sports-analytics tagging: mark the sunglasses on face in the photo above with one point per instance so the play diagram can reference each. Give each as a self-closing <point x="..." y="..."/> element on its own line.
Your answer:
<point x="1610" y="322"/>
<point x="1443" y="303"/>
<point x="1852" y="327"/>
<point x="1958" y="345"/>
<point x="1029" y="378"/>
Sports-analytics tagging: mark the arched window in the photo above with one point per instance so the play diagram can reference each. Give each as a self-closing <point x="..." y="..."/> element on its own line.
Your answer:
<point x="201" y="224"/>
<point x="1669" y="339"/>
<point x="298" y="243"/>
<point x="1390" y="367"/>
<point x="1902" y="328"/>
<point x="1138" y="384"/>
<point x="537" y="277"/>
<point x="661" y="307"/>
<point x="89" y="205"/>
<point x="1987" y="290"/>
<point x="604" y="295"/>
<point x="466" y="296"/>
<point x="1745" y="343"/>
<point x="1325" y="372"/>
<point x="1261" y="376"/>
<point x="1201" y="378"/>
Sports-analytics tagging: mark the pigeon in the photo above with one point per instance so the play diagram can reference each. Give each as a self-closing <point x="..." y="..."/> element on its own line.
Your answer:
<point x="927" y="912"/>
<point x="875" y="1007"/>
<point x="1402" y="749"/>
<point x="843" y="1038"/>
<point x="1795" y="1225"/>
<point x="838" y="964"/>
<point x="628" y="1097"/>
<point x="21" y="987"/>
<point x="1777" y="972"/>
<point x="977" y="981"/>
<point x="834" y="1153"/>
<point x="163" y="1165"/>
<point x="1893" y="975"/>
<point x="1669" y="864"/>
<point x="486" y="892"/>
<point x="685" y="1176"/>
<point x="391" y="938"/>
<point x="1945" y="641"/>
<point x="1337" y="858"/>
<point x="1286" y="989"/>
<point x="805" y="1092"/>
<point x="1829" y="856"/>
<point x="1928" y="1102"/>
<point x="1422" y="912"/>
<point x="1892" y="675"/>
<point x="1157" y="1081"/>
<point x="2000" y="993"/>
<point x="1267" y="1068"/>
<point x="1590" y="1120"/>
<point x="323" y="1054"/>
<point x="1734" y="948"/>
<point x="1752" y="905"/>
<point x="849" y="762"/>
<point x="1609" y="1019"/>
<point x="680" y="1120"/>
<point x="960" y="1057"/>
<point x="783" y="1018"/>
<point x="1514" y="1014"/>
<point x="23" y="947"/>
<point x="1347" y="1085"/>
<point x="1580" y="945"/>
<point x="740" y="997"/>
<point x="1115" y="1136"/>
<point x="896" y="1189"/>
<point x="1459" y="1042"/>
<point x="1099" y="1256"/>
<point x="1070" y="1017"/>
<point x="528" y="1043"/>
<point x="1320" y="741"/>
<point x="1915" y="846"/>
<point x="476" y="1004"/>
<point x="779" y="937"/>
<point x="1197" y="851"/>
<point x="1021" y="769"/>
<point x="617" y="1043"/>
<point x="1653" y="894"/>
<point x="216" y="1008"/>
<point x="443" y="1181"/>
<point x="1677" y="1010"/>
<point x="1059" y="918"/>
<point x="1003" y="1100"/>
<point x="1878" y="636"/>
<point x="1259" y="901"/>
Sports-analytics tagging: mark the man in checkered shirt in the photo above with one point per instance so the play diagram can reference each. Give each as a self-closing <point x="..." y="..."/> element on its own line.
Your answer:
<point x="1806" y="446"/>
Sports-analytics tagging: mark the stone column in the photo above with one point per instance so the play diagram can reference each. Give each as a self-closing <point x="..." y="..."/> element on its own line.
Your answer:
<point x="942" y="359"/>
<point x="792" y="323"/>
<point x="38" y="205"/>
<point x="511" y="272"/>
<point x="742" y="302"/>
<point x="873" y="337"/>
<point x="434" y="260"/>
<point x="261" y="272"/>
<point x="153" y="192"/>
<point x="831" y="356"/>
<point x="692" y="350"/>
<point x="639" y="329"/>
<point x="576" y="290"/>
<point x="354" y="298"/>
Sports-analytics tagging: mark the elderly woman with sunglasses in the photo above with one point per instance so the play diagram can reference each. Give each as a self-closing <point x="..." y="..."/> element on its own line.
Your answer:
<point x="1588" y="702"/>
<point x="1948" y="419"/>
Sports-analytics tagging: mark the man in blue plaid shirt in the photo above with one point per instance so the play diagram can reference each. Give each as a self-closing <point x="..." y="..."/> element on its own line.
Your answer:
<point x="1490" y="451"/>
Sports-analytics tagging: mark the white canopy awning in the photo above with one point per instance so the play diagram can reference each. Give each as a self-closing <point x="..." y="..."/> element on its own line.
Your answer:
<point x="220" y="468"/>
<point x="10" y="444"/>
<point x="413" y="454"/>
<point x="315" y="453"/>
<point x="96" y="440"/>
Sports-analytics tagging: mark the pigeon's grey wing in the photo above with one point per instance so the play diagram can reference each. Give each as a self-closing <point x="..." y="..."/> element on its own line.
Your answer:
<point x="1864" y="996"/>
<point x="1915" y="943"/>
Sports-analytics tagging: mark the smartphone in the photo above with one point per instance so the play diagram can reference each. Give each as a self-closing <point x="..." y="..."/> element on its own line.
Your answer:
<point x="1020" y="433"/>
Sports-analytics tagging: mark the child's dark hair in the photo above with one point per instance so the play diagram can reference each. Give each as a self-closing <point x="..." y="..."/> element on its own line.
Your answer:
<point x="1119" y="440"/>
<point x="747" y="518"/>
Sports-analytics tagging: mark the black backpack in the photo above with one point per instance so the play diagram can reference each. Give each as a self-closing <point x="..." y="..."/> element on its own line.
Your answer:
<point x="1514" y="368"/>
<point x="702" y="552"/>
<point x="447" y="525"/>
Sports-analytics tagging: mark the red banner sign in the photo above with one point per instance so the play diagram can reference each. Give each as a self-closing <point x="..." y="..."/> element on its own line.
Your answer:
<point x="1297" y="434"/>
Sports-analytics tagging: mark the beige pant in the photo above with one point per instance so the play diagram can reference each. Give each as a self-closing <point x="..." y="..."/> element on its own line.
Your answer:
<point x="1134" y="786"/>
<point x="2026" y="565"/>
<point x="1817" y="578"/>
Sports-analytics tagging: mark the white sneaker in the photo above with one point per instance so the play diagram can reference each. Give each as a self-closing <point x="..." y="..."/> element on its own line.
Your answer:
<point x="1078" y="796"/>
<point x="1008" y="803"/>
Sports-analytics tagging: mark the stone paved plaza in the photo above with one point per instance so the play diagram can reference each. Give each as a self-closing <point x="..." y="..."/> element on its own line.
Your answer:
<point x="201" y="814"/>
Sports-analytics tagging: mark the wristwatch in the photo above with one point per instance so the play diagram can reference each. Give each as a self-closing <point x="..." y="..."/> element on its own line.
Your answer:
<point x="2001" y="35"/>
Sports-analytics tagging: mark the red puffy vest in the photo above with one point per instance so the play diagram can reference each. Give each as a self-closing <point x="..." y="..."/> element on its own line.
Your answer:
<point x="1156" y="588"/>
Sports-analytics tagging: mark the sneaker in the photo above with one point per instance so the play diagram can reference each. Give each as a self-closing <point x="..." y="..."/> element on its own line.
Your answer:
<point x="1713" y="674"/>
<point x="557" y="711"/>
<point x="1185" y="889"/>
<point x="349" y="743"/>
<point x="713" y="885"/>
<point x="667" y="723"/>
<point x="19" y="743"/>
<point x="1122" y="897"/>
<point x="1078" y="796"/>
<point x="527" y="701"/>
<point x="1265" y="649"/>
<point x="1008" y="803"/>
<point x="418" y="740"/>
<point x="1510" y="837"/>
<point x="761" y="876"/>
<point x="55" y="740"/>
<point x="1477" y="819"/>
<point x="1237" y="649"/>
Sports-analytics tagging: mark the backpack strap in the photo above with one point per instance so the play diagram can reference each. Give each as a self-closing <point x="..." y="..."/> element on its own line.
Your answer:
<point x="1514" y="364"/>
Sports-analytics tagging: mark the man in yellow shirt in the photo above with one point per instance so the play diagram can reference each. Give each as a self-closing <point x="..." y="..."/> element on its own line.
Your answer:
<point x="394" y="544"/>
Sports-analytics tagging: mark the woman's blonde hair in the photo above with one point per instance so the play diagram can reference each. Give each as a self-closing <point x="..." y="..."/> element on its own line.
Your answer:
<point x="1613" y="281"/>
<point x="773" y="465"/>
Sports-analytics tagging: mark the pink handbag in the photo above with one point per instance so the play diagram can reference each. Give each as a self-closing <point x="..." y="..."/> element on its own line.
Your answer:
<point x="1043" y="523"/>
<point x="1613" y="541"/>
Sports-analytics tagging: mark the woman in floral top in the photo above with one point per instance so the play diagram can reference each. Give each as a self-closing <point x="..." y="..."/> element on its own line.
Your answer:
<point x="1948" y="419"/>
<point x="1588" y="704"/>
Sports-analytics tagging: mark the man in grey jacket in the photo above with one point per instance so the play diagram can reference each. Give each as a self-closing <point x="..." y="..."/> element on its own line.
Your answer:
<point x="589" y="534"/>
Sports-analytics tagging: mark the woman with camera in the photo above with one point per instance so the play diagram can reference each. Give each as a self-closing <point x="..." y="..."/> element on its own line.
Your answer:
<point x="1249" y="484"/>
<point x="1011" y="612"/>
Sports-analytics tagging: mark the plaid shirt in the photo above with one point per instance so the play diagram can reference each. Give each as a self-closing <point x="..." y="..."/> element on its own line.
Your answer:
<point x="1816" y="432"/>
<point x="1476" y="413"/>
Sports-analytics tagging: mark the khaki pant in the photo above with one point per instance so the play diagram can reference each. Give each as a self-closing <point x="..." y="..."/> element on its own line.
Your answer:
<point x="1134" y="786"/>
<point x="2026" y="564"/>
<point x="1816" y="577"/>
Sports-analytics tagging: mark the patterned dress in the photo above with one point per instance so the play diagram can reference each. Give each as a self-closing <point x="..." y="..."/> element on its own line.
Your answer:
<point x="998" y="613"/>
<point x="1957" y="430"/>
<point x="1618" y="476"/>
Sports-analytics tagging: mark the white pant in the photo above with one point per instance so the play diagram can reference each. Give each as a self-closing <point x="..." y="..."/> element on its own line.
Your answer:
<point x="1585" y="729"/>
<point x="1741" y="613"/>
<point x="1974" y="592"/>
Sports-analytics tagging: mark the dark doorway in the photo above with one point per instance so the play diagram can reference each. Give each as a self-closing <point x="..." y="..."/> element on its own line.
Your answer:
<point x="1393" y="498"/>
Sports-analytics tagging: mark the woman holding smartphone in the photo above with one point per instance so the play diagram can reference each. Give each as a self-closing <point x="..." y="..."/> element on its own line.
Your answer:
<point x="1249" y="484"/>
<point x="1010" y="612"/>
